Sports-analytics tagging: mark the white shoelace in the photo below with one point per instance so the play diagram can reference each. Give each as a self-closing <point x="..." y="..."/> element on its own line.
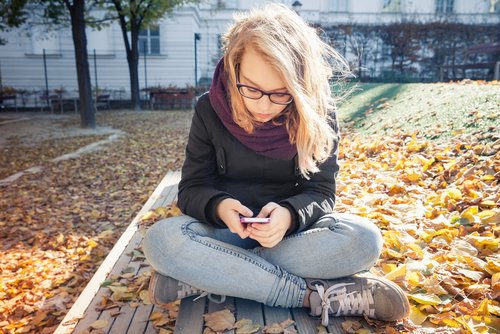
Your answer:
<point x="188" y="290"/>
<point x="356" y="302"/>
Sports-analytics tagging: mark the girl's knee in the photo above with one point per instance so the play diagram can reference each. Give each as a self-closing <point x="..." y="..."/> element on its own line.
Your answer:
<point x="163" y="234"/>
<point x="366" y="235"/>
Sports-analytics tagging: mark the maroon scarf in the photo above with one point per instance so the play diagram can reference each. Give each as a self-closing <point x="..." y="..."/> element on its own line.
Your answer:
<point x="267" y="139"/>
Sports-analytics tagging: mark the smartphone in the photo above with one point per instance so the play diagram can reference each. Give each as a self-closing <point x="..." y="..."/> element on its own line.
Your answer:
<point x="255" y="220"/>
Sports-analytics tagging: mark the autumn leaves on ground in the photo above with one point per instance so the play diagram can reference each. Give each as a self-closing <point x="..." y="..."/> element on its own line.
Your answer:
<point x="421" y="160"/>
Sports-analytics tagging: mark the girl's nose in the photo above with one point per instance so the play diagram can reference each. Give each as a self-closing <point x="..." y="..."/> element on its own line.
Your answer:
<point x="264" y="102"/>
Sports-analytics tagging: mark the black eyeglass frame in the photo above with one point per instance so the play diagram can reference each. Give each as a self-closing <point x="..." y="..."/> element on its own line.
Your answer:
<point x="262" y="92"/>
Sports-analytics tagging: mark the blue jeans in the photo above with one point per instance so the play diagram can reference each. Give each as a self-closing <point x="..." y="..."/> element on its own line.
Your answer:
<point x="220" y="262"/>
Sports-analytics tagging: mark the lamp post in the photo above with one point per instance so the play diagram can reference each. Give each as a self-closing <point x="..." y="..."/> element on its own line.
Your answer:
<point x="296" y="6"/>
<point x="197" y="37"/>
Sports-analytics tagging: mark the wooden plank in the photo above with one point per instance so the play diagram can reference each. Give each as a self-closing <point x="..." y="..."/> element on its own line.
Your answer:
<point x="119" y="324"/>
<point x="228" y="303"/>
<point x="90" y="315"/>
<point x="89" y="298"/>
<point x="190" y="318"/>
<point x="139" y="320"/>
<point x="335" y="324"/>
<point x="275" y="314"/>
<point x="150" y="329"/>
<point x="135" y="320"/>
<point x="304" y="322"/>
<point x="249" y="309"/>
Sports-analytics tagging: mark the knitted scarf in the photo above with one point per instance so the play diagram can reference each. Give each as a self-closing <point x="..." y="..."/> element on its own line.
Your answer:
<point x="267" y="139"/>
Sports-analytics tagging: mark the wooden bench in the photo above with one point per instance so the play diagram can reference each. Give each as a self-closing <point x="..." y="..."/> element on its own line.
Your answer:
<point x="171" y="101"/>
<point x="135" y="320"/>
<point x="8" y="101"/>
<point x="103" y="101"/>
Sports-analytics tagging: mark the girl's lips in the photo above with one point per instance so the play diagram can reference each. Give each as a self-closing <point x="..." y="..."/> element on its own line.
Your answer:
<point x="263" y="115"/>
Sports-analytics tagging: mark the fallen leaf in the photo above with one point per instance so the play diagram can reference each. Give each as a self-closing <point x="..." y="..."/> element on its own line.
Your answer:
<point x="99" y="324"/>
<point x="246" y="326"/>
<point x="219" y="321"/>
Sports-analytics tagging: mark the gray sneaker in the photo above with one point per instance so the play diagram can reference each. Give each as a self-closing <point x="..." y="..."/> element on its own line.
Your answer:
<point x="366" y="294"/>
<point x="165" y="289"/>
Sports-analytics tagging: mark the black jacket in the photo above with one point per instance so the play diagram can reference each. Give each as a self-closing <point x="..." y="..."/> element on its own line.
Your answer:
<point x="218" y="166"/>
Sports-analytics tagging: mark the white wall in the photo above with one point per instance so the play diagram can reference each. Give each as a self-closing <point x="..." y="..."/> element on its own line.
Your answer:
<point x="21" y="59"/>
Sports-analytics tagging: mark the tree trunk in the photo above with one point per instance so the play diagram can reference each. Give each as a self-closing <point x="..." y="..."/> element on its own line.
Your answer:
<point x="133" y="65"/>
<point x="87" y="109"/>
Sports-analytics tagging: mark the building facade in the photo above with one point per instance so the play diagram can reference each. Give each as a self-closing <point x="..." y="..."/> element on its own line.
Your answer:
<point x="34" y="58"/>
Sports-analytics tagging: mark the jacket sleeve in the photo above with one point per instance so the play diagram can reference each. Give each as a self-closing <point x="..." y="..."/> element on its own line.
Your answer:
<point x="315" y="197"/>
<point x="197" y="188"/>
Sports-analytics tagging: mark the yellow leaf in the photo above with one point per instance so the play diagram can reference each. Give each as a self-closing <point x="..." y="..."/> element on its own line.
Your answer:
<point x="388" y="267"/>
<point x="494" y="309"/>
<point x="487" y="203"/>
<point x="397" y="273"/>
<point x="148" y="215"/>
<point x="425" y="298"/>
<point x="144" y="295"/>
<point x="453" y="193"/>
<point x="155" y="316"/>
<point x="412" y="176"/>
<point x="99" y="324"/>
<point x="413" y="278"/>
<point x="493" y="265"/>
<point x="488" y="178"/>
<point x="495" y="285"/>
<point x="469" y="213"/>
<point x="415" y="146"/>
<point x="487" y="216"/>
<point x="471" y="274"/>
<point x="417" y="316"/>
<point x="91" y="243"/>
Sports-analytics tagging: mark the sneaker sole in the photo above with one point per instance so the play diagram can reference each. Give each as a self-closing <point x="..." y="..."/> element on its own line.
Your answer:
<point x="401" y="293"/>
<point x="151" y="290"/>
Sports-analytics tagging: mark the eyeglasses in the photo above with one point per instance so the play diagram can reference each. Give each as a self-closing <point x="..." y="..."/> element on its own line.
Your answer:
<point x="256" y="93"/>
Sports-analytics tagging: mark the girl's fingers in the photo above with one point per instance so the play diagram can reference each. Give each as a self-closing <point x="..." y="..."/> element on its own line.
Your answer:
<point x="267" y="209"/>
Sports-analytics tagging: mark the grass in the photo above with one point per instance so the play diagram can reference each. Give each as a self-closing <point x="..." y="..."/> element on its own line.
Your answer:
<point x="437" y="111"/>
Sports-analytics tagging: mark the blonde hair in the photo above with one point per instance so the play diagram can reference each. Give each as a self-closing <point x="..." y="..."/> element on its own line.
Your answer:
<point x="305" y="64"/>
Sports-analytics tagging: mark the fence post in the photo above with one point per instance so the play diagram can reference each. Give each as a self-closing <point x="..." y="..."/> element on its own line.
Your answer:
<point x="145" y="67"/>
<point x="47" y="94"/>
<point x="95" y="73"/>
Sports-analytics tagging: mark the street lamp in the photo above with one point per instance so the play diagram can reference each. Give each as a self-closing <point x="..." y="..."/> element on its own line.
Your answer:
<point x="296" y="6"/>
<point x="197" y="37"/>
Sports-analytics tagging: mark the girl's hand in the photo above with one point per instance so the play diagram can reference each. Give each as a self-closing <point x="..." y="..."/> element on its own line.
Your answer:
<point x="268" y="235"/>
<point x="229" y="211"/>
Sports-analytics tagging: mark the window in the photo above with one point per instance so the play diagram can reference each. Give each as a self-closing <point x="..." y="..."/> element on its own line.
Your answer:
<point x="494" y="6"/>
<point x="444" y="6"/>
<point x="392" y="6"/>
<point x="42" y="40"/>
<point x="339" y="5"/>
<point x="149" y="41"/>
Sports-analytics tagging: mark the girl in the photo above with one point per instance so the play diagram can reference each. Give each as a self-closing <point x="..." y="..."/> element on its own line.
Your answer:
<point x="263" y="143"/>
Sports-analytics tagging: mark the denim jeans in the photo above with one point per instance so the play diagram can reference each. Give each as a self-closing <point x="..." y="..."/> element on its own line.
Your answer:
<point x="220" y="262"/>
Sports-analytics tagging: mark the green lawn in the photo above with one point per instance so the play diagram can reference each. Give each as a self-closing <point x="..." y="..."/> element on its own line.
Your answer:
<point x="437" y="110"/>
